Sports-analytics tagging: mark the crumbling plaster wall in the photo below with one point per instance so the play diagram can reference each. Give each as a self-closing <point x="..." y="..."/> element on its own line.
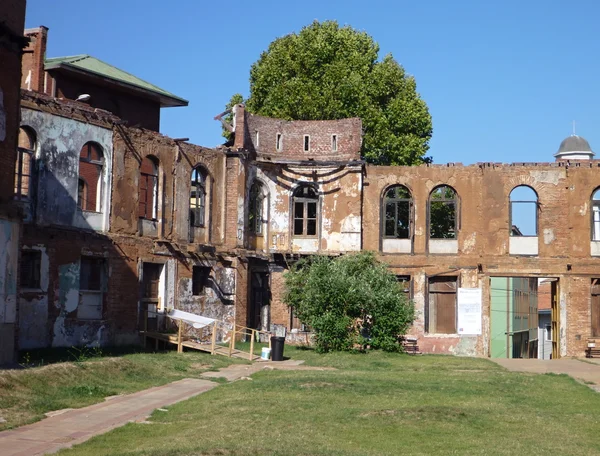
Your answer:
<point x="59" y="141"/>
<point x="339" y="206"/>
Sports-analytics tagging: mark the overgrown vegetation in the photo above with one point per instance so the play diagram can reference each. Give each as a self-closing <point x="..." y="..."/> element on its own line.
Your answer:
<point x="373" y="404"/>
<point x="350" y="302"/>
<point x="26" y="394"/>
<point x="328" y="72"/>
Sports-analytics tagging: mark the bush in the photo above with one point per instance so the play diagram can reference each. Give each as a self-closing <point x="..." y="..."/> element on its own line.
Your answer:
<point x="349" y="301"/>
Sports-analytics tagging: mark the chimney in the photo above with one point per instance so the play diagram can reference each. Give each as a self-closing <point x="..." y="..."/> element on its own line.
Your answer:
<point x="34" y="55"/>
<point x="239" y="126"/>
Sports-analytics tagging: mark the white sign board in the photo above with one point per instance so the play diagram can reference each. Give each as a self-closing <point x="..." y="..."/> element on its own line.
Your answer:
<point x="469" y="311"/>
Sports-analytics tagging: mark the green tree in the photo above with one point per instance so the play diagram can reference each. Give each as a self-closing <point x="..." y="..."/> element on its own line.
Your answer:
<point x="331" y="72"/>
<point x="348" y="301"/>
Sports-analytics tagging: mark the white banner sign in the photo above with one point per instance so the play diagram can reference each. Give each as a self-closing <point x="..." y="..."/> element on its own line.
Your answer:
<point x="469" y="311"/>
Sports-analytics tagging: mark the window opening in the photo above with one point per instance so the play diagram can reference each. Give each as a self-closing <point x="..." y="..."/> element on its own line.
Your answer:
<point x="91" y="276"/>
<point x="255" y="211"/>
<point x="198" y="197"/>
<point x="596" y="216"/>
<point x="523" y="211"/>
<point x="31" y="263"/>
<point x="334" y="143"/>
<point x="91" y="162"/>
<point x="442" y="213"/>
<point x="397" y="204"/>
<point x="24" y="164"/>
<point x="200" y="279"/>
<point x="306" y="143"/>
<point x="595" y="310"/>
<point x="148" y="188"/>
<point x="305" y="200"/>
<point x="278" y="142"/>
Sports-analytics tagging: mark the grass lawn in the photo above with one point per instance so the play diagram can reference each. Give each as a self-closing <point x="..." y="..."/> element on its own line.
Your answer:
<point x="26" y="394"/>
<point x="374" y="404"/>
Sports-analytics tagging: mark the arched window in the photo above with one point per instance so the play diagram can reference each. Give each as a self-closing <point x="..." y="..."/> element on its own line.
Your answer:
<point x="255" y="209"/>
<point x="305" y="199"/>
<point x="596" y="215"/>
<point x="198" y="197"/>
<point x="443" y="203"/>
<point x="24" y="164"/>
<point x="148" y="188"/>
<point x="523" y="211"/>
<point x="397" y="205"/>
<point x="91" y="162"/>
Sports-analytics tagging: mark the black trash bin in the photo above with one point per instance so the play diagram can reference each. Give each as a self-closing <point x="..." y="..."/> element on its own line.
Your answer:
<point x="277" y="344"/>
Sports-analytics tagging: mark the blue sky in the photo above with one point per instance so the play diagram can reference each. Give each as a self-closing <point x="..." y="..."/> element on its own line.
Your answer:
<point x="503" y="79"/>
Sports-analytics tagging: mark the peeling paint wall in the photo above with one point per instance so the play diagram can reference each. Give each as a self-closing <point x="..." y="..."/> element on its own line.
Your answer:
<point x="59" y="143"/>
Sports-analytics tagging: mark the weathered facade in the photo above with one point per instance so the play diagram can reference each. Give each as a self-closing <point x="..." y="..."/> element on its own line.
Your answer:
<point x="12" y="43"/>
<point x="120" y="220"/>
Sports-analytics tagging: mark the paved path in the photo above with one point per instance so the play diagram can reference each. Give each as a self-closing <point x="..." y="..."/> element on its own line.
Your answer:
<point x="586" y="371"/>
<point x="67" y="428"/>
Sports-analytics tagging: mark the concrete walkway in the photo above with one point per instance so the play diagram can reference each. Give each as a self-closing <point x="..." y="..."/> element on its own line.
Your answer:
<point x="586" y="371"/>
<point x="66" y="428"/>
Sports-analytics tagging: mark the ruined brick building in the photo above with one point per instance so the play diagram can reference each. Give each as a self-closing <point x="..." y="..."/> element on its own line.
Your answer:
<point x="118" y="219"/>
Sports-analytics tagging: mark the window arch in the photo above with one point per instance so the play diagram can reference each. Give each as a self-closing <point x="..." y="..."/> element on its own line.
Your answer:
<point x="91" y="163"/>
<point x="305" y="199"/>
<point x="596" y="215"/>
<point x="148" y="188"/>
<point x="255" y="209"/>
<point x="523" y="211"/>
<point x="24" y="163"/>
<point x="397" y="203"/>
<point x="443" y="210"/>
<point x="198" y="197"/>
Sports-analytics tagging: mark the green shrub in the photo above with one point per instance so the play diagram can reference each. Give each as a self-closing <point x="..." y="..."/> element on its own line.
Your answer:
<point x="352" y="301"/>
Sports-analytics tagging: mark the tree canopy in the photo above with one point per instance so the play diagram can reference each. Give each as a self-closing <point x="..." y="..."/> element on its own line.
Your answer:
<point x="328" y="72"/>
<point x="349" y="301"/>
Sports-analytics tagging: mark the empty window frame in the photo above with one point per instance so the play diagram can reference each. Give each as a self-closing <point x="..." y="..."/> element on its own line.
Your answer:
<point x="306" y="143"/>
<point x="91" y="278"/>
<point x="397" y="204"/>
<point x="443" y="210"/>
<point x="334" y="143"/>
<point x="24" y="164"/>
<point x="441" y="309"/>
<point x="278" y="142"/>
<point x="91" y="162"/>
<point x="148" y="189"/>
<point x="405" y="284"/>
<point x="31" y="261"/>
<point x="548" y="333"/>
<point x="255" y="209"/>
<point x="596" y="215"/>
<point x="198" y="197"/>
<point x="523" y="211"/>
<point x="305" y="200"/>
<point x="595" y="308"/>
<point x="200" y="279"/>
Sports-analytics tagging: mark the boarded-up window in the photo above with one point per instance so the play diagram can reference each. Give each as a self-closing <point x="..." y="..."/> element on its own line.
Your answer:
<point x="91" y="161"/>
<point x="91" y="277"/>
<point x="441" y="318"/>
<point x="24" y="164"/>
<point x="148" y="188"/>
<point x="595" y="310"/>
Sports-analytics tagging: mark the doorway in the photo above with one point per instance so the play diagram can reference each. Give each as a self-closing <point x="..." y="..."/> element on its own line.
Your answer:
<point x="150" y="295"/>
<point x="259" y="316"/>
